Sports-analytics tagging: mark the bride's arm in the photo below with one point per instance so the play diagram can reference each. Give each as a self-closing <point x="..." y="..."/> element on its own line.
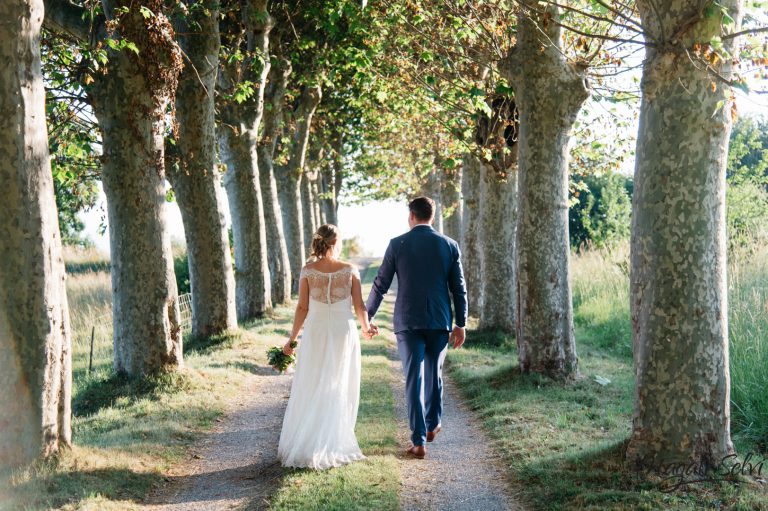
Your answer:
<point x="357" y="301"/>
<point x="302" y="308"/>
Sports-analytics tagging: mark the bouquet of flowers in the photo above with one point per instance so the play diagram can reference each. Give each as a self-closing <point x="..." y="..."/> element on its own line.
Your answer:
<point x="279" y="360"/>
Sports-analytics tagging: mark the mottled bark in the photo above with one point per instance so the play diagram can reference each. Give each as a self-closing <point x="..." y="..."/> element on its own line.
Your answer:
<point x="130" y="99"/>
<point x="678" y="293"/>
<point x="431" y="188"/>
<point x="549" y="92"/>
<point x="498" y="226"/>
<point x="238" y="138"/>
<point x="289" y="183"/>
<point x="331" y="180"/>
<point x="308" y="209"/>
<point x="35" y="335"/>
<point x="452" y="205"/>
<point x="470" y="229"/>
<point x="328" y="190"/>
<point x="317" y="211"/>
<point x="279" y="264"/>
<point x="196" y="181"/>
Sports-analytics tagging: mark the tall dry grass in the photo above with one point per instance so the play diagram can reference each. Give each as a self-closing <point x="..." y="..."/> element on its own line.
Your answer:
<point x="600" y="281"/>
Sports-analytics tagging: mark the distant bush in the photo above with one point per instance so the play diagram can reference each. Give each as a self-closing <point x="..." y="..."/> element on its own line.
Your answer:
<point x="181" y="268"/>
<point x="351" y="248"/>
<point x="746" y="213"/>
<point x="600" y="209"/>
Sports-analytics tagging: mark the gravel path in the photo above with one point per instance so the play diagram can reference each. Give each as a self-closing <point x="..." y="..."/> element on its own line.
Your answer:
<point x="236" y="465"/>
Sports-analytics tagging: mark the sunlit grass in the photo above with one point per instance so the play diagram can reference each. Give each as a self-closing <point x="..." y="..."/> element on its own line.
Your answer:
<point x="748" y="327"/>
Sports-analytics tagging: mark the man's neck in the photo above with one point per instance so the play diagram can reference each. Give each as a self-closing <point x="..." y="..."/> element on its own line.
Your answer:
<point x="425" y="224"/>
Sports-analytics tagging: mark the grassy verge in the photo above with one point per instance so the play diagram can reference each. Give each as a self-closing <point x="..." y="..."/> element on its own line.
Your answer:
<point x="564" y="445"/>
<point x="370" y="484"/>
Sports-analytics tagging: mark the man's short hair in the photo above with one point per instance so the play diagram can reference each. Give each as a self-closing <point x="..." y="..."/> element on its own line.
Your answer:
<point x="423" y="208"/>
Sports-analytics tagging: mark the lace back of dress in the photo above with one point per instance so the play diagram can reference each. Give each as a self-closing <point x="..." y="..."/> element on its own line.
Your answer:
<point x="329" y="287"/>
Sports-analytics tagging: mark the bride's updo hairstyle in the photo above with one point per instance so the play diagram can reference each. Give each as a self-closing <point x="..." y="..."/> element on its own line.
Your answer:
<point x="323" y="239"/>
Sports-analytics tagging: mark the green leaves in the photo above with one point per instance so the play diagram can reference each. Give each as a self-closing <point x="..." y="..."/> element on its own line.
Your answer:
<point x="243" y="91"/>
<point x="145" y="12"/>
<point x="118" y="45"/>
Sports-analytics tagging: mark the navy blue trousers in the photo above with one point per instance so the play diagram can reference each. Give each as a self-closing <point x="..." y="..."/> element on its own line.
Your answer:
<point x="422" y="353"/>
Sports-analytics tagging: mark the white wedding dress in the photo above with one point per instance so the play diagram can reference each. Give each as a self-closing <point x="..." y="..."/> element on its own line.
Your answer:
<point x="319" y="424"/>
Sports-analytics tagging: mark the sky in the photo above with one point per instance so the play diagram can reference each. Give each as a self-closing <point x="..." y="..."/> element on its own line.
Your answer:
<point x="374" y="224"/>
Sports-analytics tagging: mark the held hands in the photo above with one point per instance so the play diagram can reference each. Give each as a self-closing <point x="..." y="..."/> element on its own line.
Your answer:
<point x="372" y="331"/>
<point x="457" y="337"/>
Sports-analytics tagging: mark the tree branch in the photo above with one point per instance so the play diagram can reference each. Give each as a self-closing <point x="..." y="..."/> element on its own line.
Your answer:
<point x="64" y="16"/>
<point x="749" y="31"/>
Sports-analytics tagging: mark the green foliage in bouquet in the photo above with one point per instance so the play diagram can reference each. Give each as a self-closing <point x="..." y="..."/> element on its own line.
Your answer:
<point x="279" y="360"/>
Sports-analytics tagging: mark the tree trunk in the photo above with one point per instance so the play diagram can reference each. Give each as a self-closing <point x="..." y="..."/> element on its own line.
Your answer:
<point x="238" y="151"/>
<point x="308" y="210"/>
<point x="338" y="176"/>
<point x="289" y="183"/>
<point x="325" y="185"/>
<point x="130" y="101"/>
<point x="279" y="264"/>
<point x="431" y="189"/>
<point x="318" y="213"/>
<point x="451" y="203"/>
<point x="498" y="226"/>
<point x="549" y="93"/>
<point x="678" y="293"/>
<point x="470" y="229"/>
<point x="328" y="190"/>
<point x="196" y="180"/>
<point x="238" y="138"/>
<point x="35" y="335"/>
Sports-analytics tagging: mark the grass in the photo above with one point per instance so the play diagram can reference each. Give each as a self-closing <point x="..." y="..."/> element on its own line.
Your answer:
<point x="84" y="260"/>
<point x="564" y="445"/>
<point x="748" y="326"/>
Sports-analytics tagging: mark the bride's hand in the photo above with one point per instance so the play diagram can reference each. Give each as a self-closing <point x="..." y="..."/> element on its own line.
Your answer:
<point x="289" y="347"/>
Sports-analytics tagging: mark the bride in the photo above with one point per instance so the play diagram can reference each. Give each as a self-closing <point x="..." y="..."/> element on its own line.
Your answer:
<point x="319" y="424"/>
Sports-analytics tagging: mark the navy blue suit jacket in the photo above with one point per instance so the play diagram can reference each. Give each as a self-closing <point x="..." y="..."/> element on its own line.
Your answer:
<point x="428" y="269"/>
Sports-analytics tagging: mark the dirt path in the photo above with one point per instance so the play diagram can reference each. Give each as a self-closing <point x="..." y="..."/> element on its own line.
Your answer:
<point x="236" y="464"/>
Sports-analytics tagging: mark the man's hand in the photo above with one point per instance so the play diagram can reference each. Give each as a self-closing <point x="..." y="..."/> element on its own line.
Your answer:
<point x="457" y="337"/>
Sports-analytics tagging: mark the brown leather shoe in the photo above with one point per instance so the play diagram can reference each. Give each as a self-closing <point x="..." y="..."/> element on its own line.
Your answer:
<point x="432" y="434"/>
<point x="417" y="451"/>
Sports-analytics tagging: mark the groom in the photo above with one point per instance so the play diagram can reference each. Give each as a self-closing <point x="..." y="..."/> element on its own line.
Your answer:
<point x="427" y="266"/>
